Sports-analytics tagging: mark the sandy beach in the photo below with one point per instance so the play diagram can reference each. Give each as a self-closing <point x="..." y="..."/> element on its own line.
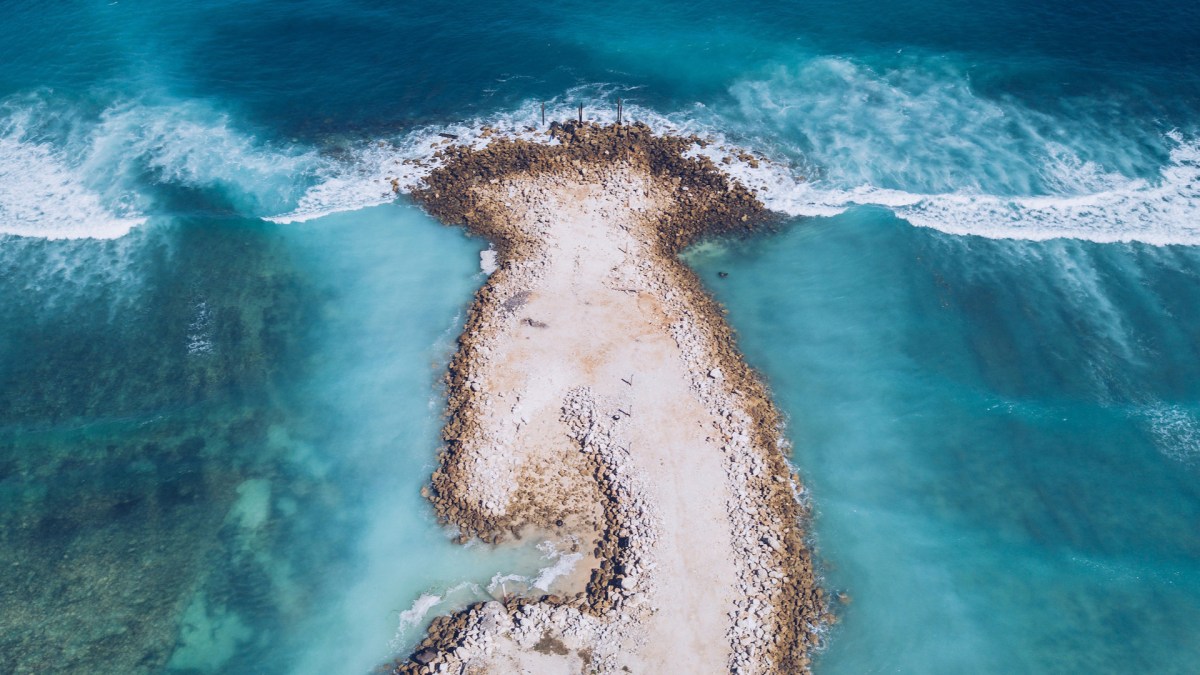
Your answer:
<point x="597" y="400"/>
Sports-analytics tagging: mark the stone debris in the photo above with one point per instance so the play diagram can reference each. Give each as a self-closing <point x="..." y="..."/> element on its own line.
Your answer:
<point x="777" y="620"/>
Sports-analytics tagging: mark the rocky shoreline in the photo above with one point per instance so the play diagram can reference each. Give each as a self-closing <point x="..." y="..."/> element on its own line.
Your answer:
<point x="490" y="485"/>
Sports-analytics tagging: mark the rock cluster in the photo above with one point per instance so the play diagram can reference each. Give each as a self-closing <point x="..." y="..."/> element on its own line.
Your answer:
<point x="779" y="618"/>
<point x="705" y="201"/>
<point x="625" y="550"/>
<point x="776" y="621"/>
<point x="598" y="622"/>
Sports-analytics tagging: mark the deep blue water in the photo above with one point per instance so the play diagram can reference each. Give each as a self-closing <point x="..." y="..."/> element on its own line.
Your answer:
<point x="220" y="340"/>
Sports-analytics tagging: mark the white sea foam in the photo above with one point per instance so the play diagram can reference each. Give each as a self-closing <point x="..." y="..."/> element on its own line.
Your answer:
<point x="1163" y="211"/>
<point x="199" y="334"/>
<point x="487" y="261"/>
<point x="504" y="584"/>
<point x="1176" y="432"/>
<point x="376" y="170"/>
<point x="188" y="144"/>
<point x="864" y="139"/>
<point x="67" y="175"/>
<point x="42" y="196"/>
<point x="363" y="181"/>
<point x="915" y="139"/>
<point x="563" y="565"/>
<point x="415" y="614"/>
<point x="919" y="141"/>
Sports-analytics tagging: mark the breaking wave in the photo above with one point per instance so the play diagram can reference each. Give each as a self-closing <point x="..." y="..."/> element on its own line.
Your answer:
<point x="43" y="195"/>
<point x="66" y="174"/>
<point x="835" y="135"/>
<point x="829" y="135"/>
<point x="921" y="142"/>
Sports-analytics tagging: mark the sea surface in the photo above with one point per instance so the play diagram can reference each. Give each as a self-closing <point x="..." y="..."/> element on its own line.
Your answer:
<point x="222" y="335"/>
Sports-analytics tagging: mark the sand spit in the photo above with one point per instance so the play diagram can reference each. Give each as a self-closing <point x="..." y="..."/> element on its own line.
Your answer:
<point x="598" y="399"/>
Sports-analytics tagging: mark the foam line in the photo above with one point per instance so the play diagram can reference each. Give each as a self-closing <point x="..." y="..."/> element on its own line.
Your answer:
<point x="40" y="196"/>
<point x="64" y="174"/>
<point x="915" y="140"/>
<point x="1081" y="200"/>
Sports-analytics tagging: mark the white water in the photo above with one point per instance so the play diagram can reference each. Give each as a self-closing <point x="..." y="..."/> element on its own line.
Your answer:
<point x="412" y="617"/>
<point x="1004" y="178"/>
<point x="1162" y="211"/>
<point x="562" y="566"/>
<point x="65" y="174"/>
<point x="411" y="622"/>
<point x="1175" y="430"/>
<point x="920" y="141"/>
<point x="41" y="196"/>
<point x="916" y="140"/>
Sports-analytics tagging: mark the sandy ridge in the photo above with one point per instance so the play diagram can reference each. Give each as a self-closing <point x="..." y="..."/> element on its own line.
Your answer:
<point x="597" y="217"/>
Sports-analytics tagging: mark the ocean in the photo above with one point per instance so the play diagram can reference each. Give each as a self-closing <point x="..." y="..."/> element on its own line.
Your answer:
<point x="222" y="335"/>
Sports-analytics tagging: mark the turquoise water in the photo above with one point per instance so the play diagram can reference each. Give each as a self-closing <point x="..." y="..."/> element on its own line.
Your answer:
<point x="991" y="496"/>
<point x="215" y="442"/>
<point x="221" y="337"/>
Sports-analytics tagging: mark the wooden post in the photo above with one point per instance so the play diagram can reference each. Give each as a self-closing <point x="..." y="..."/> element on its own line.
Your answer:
<point x="581" y="113"/>
<point x="543" y="112"/>
<point x="618" y="111"/>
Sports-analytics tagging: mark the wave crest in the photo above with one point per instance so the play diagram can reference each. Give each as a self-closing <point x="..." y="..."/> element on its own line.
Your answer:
<point x="914" y="139"/>
<point x="919" y="141"/>
<point x="66" y="174"/>
<point x="43" y="195"/>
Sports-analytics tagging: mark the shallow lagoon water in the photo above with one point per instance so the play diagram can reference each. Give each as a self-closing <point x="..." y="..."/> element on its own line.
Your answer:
<point x="230" y="476"/>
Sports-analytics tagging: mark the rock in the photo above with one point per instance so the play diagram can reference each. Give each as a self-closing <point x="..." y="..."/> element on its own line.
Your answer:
<point x="709" y="203"/>
<point x="425" y="656"/>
